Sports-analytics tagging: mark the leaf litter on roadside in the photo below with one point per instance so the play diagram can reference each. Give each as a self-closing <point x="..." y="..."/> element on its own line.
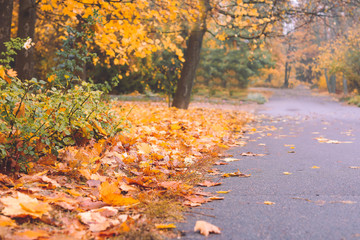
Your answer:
<point x="107" y="187"/>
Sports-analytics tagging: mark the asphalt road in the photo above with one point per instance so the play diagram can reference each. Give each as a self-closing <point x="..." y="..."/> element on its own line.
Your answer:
<point x="310" y="203"/>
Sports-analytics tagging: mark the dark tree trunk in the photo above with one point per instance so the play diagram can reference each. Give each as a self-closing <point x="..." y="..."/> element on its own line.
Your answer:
<point x="6" y="8"/>
<point x="269" y="78"/>
<point x="327" y="81"/>
<point x="287" y="75"/>
<point x="333" y="83"/>
<point x="192" y="58"/>
<point x="24" y="63"/>
<point x="345" y="85"/>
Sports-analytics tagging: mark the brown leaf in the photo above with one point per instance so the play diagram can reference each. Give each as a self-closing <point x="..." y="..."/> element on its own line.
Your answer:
<point x="206" y="228"/>
<point x="207" y="183"/>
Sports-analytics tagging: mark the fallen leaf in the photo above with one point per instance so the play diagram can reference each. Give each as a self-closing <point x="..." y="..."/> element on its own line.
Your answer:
<point x="209" y="184"/>
<point x="235" y="174"/>
<point x="7" y="222"/>
<point x="269" y="203"/>
<point x="287" y="173"/>
<point x="32" y="235"/>
<point x="96" y="221"/>
<point x="221" y="163"/>
<point x="315" y="167"/>
<point x="344" y="202"/>
<point x="230" y="159"/>
<point x="291" y="151"/>
<point x="23" y="205"/>
<point x="206" y="228"/>
<point x="250" y="154"/>
<point x="144" y="148"/>
<point x="217" y="198"/>
<point x="165" y="226"/>
<point x="325" y="140"/>
<point x="111" y="194"/>
<point x="223" y="192"/>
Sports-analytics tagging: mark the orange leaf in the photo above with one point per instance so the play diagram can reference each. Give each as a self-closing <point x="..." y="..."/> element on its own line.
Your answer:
<point x="110" y="194"/>
<point x="7" y="222"/>
<point x="32" y="235"/>
<point x="11" y="73"/>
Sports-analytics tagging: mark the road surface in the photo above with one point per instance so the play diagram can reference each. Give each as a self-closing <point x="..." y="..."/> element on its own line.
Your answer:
<point x="314" y="138"/>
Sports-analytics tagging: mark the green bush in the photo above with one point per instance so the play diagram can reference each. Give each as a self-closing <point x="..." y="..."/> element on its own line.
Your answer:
<point x="36" y="120"/>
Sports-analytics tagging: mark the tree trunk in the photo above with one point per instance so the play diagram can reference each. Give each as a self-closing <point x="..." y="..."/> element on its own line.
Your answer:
<point x="287" y="73"/>
<point x="6" y="8"/>
<point x="192" y="58"/>
<point x="333" y="83"/>
<point x="24" y="63"/>
<point x="345" y="87"/>
<point x="327" y="81"/>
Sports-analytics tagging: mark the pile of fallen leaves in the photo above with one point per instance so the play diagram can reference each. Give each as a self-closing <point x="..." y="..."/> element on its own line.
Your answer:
<point x="127" y="185"/>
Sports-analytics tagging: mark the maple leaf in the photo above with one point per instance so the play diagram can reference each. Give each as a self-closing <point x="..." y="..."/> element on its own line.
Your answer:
<point x="111" y="194"/>
<point x="11" y="72"/>
<point x="206" y="228"/>
<point x="23" y="205"/>
<point x="96" y="221"/>
<point x="209" y="184"/>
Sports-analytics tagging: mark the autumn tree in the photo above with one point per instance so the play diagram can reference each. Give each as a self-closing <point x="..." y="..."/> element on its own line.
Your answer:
<point x="225" y="20"/>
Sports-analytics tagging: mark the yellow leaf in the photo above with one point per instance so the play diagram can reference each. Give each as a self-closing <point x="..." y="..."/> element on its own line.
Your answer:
<point x="175" y="127"/>
<point x="315" y="167"/>
<point x="111" y="194"/>
<point x="269" y="203"/>
<point x="217" y="198"/>
<point x="144" y="148"/>
<point x="165" y="226"/>
<point x="223" y="192"/>
<point x="287" y="173"/>
<point x="23" y="205"/>
<point x="99" y="128"/>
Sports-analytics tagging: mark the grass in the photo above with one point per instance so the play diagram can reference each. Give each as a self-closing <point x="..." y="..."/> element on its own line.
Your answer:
<point x="354" y="100"/>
